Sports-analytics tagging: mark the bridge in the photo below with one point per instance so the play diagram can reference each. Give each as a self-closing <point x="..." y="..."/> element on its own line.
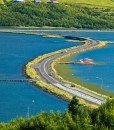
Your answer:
<point x="110" y="42"/>
<point x="17" y="80"/>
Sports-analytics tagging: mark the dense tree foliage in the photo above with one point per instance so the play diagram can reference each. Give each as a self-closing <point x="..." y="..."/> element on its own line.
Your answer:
<point x="57" y="15"/>
<point x="78" y="117"/>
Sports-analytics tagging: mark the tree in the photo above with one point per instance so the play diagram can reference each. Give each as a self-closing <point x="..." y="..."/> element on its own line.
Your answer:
<point x="73" y="106"/>
<point x="104" y="115"/>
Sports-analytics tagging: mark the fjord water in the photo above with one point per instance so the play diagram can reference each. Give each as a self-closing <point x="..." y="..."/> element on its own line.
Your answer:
<point x="105" y="56"/>
<point x="22" y="99"/>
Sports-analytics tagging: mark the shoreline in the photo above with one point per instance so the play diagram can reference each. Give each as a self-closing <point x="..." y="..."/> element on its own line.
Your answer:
<point x="43" y="83"/>
<point x="45" y="29"/>
<point x="65" y="76"/>
<point x="67" y="81"/>
<point x="40" y="83"/>
<point x="42" y="88"/>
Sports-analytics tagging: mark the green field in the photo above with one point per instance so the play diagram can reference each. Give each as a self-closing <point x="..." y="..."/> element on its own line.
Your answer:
<point x="88" y="2"/>
<point x="1" y="2"/>
<point x="91" y="2"/>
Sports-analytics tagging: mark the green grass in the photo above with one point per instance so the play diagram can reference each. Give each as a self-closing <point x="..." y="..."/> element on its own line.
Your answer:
<point x="66" y="73"/>
<point x="88" y="2"/>
<point x="1" y="2"/>
<point x="91" y="2"/>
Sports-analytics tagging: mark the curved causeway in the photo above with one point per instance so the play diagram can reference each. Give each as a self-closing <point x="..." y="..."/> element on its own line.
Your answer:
<point x="43" y="67"/>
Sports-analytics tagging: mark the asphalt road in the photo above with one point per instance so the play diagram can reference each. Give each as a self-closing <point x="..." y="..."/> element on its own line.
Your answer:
<point x="44" y="68"/>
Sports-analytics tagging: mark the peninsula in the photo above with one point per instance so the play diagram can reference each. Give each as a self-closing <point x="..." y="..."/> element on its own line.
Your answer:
<point x="41" y="70"/>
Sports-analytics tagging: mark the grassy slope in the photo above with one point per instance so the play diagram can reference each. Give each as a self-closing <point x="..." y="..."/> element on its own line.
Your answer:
<point x="1" y="2"/>
<point x="92" y="2"/>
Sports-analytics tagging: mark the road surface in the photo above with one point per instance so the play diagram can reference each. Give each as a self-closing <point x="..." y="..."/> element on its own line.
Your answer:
<point x="44" y="68"/>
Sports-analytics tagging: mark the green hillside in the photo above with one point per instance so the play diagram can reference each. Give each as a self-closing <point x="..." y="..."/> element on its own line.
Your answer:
<point x="91" y="2"/>
<point x="1" y="2"/>
<point x="88" y="2"/>
<point x="56" y="15"/>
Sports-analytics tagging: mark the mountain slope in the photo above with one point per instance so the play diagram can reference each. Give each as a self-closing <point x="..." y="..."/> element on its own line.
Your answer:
<point x="56" y="15"/>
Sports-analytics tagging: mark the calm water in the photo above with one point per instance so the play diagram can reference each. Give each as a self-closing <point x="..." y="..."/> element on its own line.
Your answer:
<point x="16" y="99"/>
<point x="17" y="49"/>
<point x="105" y="56"/>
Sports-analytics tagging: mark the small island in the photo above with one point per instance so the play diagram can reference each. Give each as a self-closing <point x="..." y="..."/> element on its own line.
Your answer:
<point x="86" y="61"/>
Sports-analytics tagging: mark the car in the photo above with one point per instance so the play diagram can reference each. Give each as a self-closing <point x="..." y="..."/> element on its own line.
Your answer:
<point x="72" y="85"/>
<point x="50" y="74"/>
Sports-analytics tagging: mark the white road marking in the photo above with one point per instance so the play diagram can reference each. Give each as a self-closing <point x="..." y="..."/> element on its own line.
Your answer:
<point x="47" y="72"/>
<point x="79" y="94"/>
<point x="75" y="91"/>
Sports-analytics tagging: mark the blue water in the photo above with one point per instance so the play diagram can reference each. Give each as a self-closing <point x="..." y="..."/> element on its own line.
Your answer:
<point x="100" y="73"/>
<point x="17" y="49"/>
<point x="18" y="99"/>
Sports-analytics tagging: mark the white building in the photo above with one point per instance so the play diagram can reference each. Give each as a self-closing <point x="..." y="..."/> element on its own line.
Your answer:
<point x="37" y="1"/>
<point x="53" y="1"/>
<point x="18" y="0"/>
